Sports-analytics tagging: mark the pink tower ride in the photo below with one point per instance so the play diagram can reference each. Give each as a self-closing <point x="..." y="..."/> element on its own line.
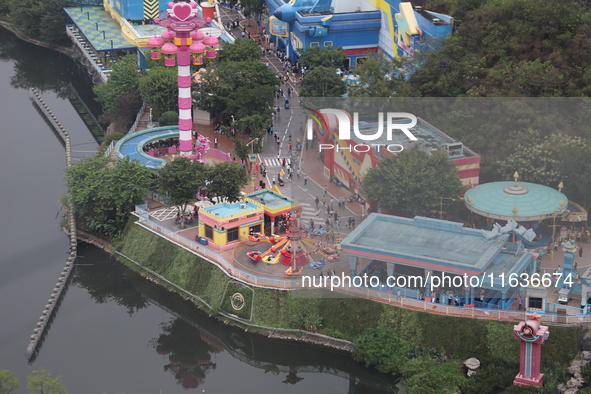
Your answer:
<point x="183" y="42"/>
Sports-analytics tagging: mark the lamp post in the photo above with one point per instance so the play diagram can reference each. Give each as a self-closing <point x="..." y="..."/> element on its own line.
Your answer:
<point x="441" y="205"/>
<point x="183" y="43"/>
<point x="251" y="143"/>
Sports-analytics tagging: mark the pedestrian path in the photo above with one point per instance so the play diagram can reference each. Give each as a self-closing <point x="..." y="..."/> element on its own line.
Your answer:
<point x="308" y="212"/>
<point x="276" y="162"/>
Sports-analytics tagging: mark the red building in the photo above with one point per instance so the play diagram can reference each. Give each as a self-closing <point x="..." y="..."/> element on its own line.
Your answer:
<point x="348" y="160"/>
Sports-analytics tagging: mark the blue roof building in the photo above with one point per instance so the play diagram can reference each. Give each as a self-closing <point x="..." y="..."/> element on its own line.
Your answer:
<point x="361" y="27"/>
<point x="432" y="249"/>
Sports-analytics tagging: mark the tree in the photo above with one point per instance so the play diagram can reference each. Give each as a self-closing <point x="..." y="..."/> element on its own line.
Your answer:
<point x="42" y="382"/>
<point x="250" y="127"/>
<point x="551" y="160"/>
<point x="40" y="19"/>
<point x="322" y="82"/>
<point x="429" y="377"/>
<point x="226" y="179"/>
<point x="314" y="57"/>
<point x="256" y="7"/>
<point x="413" y="182"/>
<point x="496" y="51"/>
<point x="377" y="77"/>
<point x="239" y="51"/>
<point x="381" y="349"/>
<point x="8" y="381"/>
<point x="120" y="93"/>
<point x="103" y="192"/>
<point x="180" y="180"/>
<point x="159" y="87"/>
<point x="238" y="89"/>
<point x="169" y="118"/>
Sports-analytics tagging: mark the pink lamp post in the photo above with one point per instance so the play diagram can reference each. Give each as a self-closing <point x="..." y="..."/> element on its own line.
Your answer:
<point x="532" y="335"/>
<point x="183" y="43"/>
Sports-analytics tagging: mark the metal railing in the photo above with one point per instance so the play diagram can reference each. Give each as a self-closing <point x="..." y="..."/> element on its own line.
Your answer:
<point x="388" y="298"/>
<point x="74" y="34"/>
<point x="221" y="154"/>
<point x="110" y="148"/>
<point x="133" y="127"/>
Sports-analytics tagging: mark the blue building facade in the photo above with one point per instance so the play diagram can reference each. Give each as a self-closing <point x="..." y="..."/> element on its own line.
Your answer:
<point x="361" y="27"/>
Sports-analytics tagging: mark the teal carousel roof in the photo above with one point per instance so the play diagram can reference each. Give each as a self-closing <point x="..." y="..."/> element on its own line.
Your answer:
<point x="520" y="201"/>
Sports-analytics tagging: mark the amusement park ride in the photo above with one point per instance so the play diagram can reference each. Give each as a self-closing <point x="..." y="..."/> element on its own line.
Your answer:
<point x="295" y="249"/>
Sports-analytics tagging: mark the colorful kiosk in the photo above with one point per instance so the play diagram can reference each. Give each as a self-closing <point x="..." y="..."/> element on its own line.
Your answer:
<point x="274" y="204"/>
<point x="224" y="225"/>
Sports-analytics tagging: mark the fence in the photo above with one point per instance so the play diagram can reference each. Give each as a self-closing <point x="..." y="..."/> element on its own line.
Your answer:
<point x="157" y="197"/>
<point x="133" y="127"/>
<point x="218" y="153"/>
<point x="388" y="298"/>
<point x="109" y="150"/>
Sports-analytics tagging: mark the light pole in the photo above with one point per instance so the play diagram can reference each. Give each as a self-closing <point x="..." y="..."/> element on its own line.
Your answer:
<point x="181" y="43"/>
<point x="441" y="205"/>
<point x="252" y="151"/>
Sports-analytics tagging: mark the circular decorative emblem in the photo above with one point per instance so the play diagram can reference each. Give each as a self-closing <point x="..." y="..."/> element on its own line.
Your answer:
<point x="237" y="301"/>
<point x="516" y="189"/>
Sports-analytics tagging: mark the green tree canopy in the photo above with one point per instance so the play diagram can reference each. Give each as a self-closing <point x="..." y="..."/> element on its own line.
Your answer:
<point x="314" y="57"/>
<point x="381" y="349"/>
<point x="226" y="179"/>
<point x="413" y="182"/>
<point x="551" y="160"/>
<point x="40" y="19"/>
<point x="180" y="180"/>
<point x="169" y="118"/>
<point x="238" y="89"/>
<point x="322" y="82"/>
<point x="120" y="95"/>
<point x="429" y="377"/>
<point x="377" y="77"/>
<point x="248" y="136"/>
<point x="41" y="382"/>
<point x="512" y="48"/>
<point x="239" y="51"/>
<point x="8" y="381"/>
<point x="159" y="87"/>
<point x="103" y="192"/>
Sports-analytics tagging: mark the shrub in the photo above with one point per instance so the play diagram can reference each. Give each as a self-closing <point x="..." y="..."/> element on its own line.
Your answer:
<point x="586" y="373"/>
<point x="169" y="118"/>
<point x="490" y="377"/>
<point x="429" y="377"/>
<point x="110" y="137"/>
<point x="382" y="349"/>
<point x="309" y="321"/>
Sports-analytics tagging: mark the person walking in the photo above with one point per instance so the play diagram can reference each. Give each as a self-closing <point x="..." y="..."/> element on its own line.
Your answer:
<point x="215" y="142"/>
<point x="306" y="180"/>
<point x="324" y="200"/>
<point x="273" y="181"/>
<point x="580" y="251"/>
<point x="317" y="201"/>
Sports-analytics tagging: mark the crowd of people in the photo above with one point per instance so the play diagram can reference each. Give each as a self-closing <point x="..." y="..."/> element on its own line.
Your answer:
<point x="156" y="146"/>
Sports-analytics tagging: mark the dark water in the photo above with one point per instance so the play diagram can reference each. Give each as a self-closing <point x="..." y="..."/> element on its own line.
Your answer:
<point x="115" y="332"/>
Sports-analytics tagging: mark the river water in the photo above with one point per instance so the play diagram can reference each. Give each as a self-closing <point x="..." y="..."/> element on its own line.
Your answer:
<point x="114" y="331"/>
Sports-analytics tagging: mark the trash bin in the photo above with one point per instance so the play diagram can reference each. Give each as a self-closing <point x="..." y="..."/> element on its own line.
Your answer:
<point x="203" y="241"/>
